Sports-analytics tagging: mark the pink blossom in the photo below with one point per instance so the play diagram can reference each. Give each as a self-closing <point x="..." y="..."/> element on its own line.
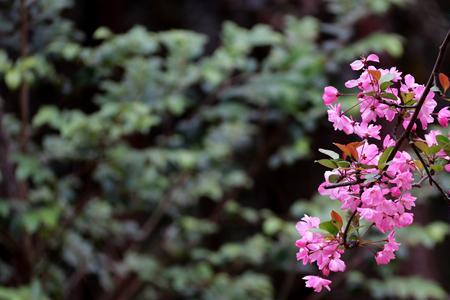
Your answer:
<point x="444" y="117"/>
<point x="368" y="131"/>
<point x="317" y="283"/>
<point x="430" y="138"/>
<point x="388" y="141"/>
<point x="447" y="168"/>
<point x="307" y="223"/>
<point x="408" y="200"/>
<point x="368" y="154"/>
<point x="410" y="84"/>
<point x="387" y="254"/>
<point x="340" y="121"/>
<point x="373" y="196"/>
<point x="373" y="57"/>
<point x="405" y="219"/>
<point x="336" y="265"/>
<point x="359" y="64"/>
<point x="369" y="214"/>
<point x="330" y="95"/>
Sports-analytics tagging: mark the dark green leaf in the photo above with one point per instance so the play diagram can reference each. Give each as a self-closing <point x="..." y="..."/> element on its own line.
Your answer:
<point x="327" y="163"/>
<point x="384" y="157"/>
<point x="328" y="226"/>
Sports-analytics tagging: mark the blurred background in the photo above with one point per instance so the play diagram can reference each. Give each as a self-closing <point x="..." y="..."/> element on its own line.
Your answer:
<point x="165" y="149"/>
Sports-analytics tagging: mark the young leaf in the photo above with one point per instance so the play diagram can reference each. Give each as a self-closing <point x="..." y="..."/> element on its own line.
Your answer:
<point x="384" y="157"/>
<point x="333" y="178"/>
<point x="444" y="81"/>
<point x="385" y="85"/>
<point x="375" y="74"/>
<point x="444" y="143"/>
<point x="342" y="163"/>
<point x="328" y="226"/>
<point x="337" y="219"/>
<point x="330" y="153"/>
<point x="389" y="96"/>
<point x="349" y="149"/>
<point x="344" y="149"/>
<point x="407" y="97"/>
<point x="422" y="146"/>
<point x="353" y="146"/>
<point x="327" y="163"/>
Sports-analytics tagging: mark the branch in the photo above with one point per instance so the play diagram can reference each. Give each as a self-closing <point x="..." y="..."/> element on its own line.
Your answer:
<point x="24" y="89"/>
<point x="341" y="184"/>
<point x="430" y="176"/>
<point x="436" y="68"/>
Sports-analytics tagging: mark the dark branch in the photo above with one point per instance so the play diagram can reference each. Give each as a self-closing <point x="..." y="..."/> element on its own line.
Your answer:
<point x="430" y="176"/>
<point x="341" y="184"/>
<point x="436" y="68"/>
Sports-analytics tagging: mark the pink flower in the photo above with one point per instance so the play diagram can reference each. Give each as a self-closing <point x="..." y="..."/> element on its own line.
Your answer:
<point x="330" y="95"/>
<point x="317" y="283"/>
<point x="410" y="84"/>
<point x="336" y="265"/>
<point x="368" y="153"/>
<point x="368" y="131"/>
<point x="430" y="138"/>
<point x="307" y="223"/>
<point x="340" y="121"/>
<point x="388" y="141"/>
<point x="444" y="117"/>
<point x="447" y="168"/>
<point x="387" y="254"/>
<point x="373" y="57"/>
<point x="359" y="64"/>
<point x="405" y="219"/>
<point x="373" y="196"/>
<point x="408" y="200"/>
<point x="369" y="214"/>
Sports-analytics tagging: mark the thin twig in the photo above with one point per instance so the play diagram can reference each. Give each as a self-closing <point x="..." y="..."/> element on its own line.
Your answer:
<point x="430" y="176"/>
<point x="342" y="184"/>
<point x="24" y="89"/>
<point x="436" y="68"/>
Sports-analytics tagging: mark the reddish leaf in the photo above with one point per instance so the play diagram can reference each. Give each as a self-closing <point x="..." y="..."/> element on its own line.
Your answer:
<point x="337" y="218"/>
<point x="445" y="82"/>
<point x="375" y="74"/>
<point x="349" y="149"/>
<point x="346" y="152"/>
<point x="352" y="146"/>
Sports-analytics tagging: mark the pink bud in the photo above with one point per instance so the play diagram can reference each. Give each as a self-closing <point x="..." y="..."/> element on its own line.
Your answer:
<point x="330" y="95"/>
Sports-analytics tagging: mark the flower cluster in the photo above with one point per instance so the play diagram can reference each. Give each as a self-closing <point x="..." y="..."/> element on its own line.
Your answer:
<point x="372" y="179"/>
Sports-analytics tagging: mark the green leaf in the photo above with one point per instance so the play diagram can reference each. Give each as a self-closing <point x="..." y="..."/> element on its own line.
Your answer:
<point x="333" y="178"/>
<point x="102" y="33"/>
<point x="384" y="157"/>
<point x="407" y="97"/>
<point x="330" y="153"/>
<point x="13" y="79"/>
<point x="444" y="143"/>
<point x="343" y="163"/>
<point x="328" y="226"/>
<point x="327" y="163"/>
<point x="385" y="85"/>
<point x="389" y="96"/>
<point x="422" y="146"/>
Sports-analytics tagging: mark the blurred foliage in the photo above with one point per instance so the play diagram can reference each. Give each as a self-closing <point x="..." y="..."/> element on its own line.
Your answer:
<point x="136" y="170"/>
